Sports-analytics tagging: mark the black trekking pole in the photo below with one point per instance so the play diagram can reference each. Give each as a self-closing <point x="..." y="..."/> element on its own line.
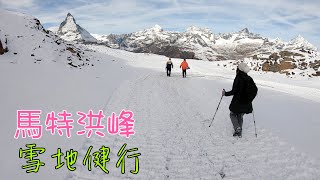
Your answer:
<point x="216" y="111"/>
<point x="254" y="121"/>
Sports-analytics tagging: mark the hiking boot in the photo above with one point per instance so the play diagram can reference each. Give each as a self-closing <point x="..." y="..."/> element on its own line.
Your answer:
<point x="238" y="132"/>
<point x="235" y="134"/>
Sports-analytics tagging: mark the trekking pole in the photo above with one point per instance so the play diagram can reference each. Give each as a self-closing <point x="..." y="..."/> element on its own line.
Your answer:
<point x="254" y="121"/>
<point x="216" y="110"/>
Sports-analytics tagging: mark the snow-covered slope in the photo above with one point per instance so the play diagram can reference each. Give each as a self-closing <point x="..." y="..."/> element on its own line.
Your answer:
<point x="299" y="43"/>
<point x="28" y="41"/>
<point x="175" y="142"/>
<point x="71" y="31"/>
<point x="171" y="120"/>
<point x="54" y="29"/>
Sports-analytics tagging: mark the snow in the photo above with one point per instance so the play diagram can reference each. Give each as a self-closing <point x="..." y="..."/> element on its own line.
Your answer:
<point x="237" y="39"/>
<point x="172" y="114"/>
<point x="157" y="28"/>
<point x="253" y="41"/>
<point x="99" y="37"/>
<point x="54" y="29"/>
<point x="207" y="45"/>
<point x="303" y="90"/>
<point x="301" y="86"/>
<point x="197" y="30"/>
<point x="70" y="25"/>
<point x="298" y="42"/>
<point x="277" y="40"/>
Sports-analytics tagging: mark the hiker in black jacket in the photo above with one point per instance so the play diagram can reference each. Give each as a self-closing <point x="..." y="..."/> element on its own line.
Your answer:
<point x="239" y="105"/>
<point x="169" y="65"/>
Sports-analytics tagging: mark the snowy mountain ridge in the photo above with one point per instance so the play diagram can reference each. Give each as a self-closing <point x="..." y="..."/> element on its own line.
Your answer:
<point x="194" y="43"/>
<point x="297" y="56"/>
<point x="204" y="44"/>
<point x="298" y="42"/>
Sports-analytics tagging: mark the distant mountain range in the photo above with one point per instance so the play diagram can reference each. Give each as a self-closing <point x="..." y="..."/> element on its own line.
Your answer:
<point x="202" y="44"/>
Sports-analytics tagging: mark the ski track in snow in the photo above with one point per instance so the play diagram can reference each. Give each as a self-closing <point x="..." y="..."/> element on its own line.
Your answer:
<point x="175" y="142"/>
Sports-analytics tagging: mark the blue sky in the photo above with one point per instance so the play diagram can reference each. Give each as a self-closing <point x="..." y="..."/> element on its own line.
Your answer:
<point x="278" y="18"/>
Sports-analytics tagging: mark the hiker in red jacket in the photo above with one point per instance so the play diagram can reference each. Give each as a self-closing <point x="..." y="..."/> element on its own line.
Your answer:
<point x="184" y="66"/>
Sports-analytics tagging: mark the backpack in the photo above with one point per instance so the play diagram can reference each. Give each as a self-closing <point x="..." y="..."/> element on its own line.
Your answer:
<point x="250" y="90"/>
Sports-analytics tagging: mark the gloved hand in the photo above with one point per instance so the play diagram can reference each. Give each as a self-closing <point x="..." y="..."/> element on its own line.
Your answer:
<point x="223" y="92"/>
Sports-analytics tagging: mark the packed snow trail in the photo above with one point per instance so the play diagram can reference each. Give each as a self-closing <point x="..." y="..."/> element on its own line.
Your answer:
<point x="171" y="124"/>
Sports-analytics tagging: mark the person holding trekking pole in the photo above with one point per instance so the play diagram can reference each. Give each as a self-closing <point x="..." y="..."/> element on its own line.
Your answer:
<point x="243" y="91"/>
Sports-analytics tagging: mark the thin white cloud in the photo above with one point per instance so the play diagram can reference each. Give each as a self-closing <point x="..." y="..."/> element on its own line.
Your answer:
<point x="16" y="3"/>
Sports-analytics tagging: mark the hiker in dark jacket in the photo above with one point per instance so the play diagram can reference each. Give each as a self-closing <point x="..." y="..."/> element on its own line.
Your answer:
<point x="169" y="65"/>
<point x="239" y="106"/>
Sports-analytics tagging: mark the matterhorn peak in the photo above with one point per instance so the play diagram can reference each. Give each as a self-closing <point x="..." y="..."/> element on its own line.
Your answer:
<point x="70" y="17"/>
<point x="69" y="24"/>
<point x="71" y="31"/>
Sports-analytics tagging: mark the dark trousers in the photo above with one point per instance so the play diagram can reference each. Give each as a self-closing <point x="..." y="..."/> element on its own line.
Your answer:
<point x="236" y="119"/>
<point x="168" y="71"/>
<point x="184" y="73"/>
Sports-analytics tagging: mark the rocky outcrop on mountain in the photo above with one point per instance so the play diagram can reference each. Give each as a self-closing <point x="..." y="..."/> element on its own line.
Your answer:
<point x="316" y="73"/>
<point x="69" y="30"/>
<point x="278" y="66"/>
<point x="1" y="48"/>
<point x="284" y="61"/>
